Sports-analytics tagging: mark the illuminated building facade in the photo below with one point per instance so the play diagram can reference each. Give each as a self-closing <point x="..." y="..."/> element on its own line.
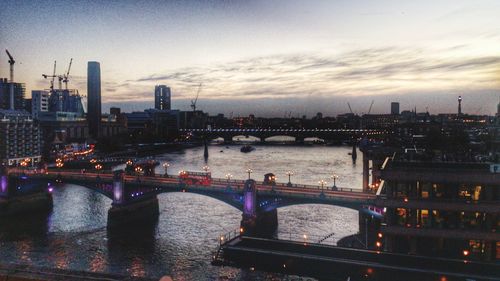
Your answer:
<point x="449" y="209"/>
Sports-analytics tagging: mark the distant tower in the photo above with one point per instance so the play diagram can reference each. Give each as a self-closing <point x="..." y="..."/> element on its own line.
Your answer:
<point x="459" y="105"/>
<point x="162" y="97"/>
<point x="395" y="108"/>
<point x="94" y="98"/>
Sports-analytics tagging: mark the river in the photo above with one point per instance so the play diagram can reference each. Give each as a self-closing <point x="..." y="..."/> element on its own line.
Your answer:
<point x="74" y="235"/>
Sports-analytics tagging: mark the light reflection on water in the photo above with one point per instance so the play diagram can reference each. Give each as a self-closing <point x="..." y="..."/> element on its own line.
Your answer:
<point x="75" y="237"/>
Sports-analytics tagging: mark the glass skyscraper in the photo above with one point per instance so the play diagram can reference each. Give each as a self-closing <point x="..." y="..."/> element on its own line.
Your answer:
<point x="162" y="97"/>
<point x="94" y="98"/>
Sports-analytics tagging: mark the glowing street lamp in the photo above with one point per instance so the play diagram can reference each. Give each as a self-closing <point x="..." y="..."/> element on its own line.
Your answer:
<point x="129" y="162"/>
<point x="98" y="167"/>
<point x="206" y="169"/>
<point x="228" y="177"/>
<point x="322" y="183"/>
<point x="93" y="160"/>
<point x="138" y="170"/>
<point x="334" y="177"/>
<point x="249" y="171"/>
<point x="165" y="166"/>
<point x="290" y="174"/>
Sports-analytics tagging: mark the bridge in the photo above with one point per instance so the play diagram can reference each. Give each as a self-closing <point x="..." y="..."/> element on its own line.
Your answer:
<point x="135" y="197"/>
<point x="299" y="134"/>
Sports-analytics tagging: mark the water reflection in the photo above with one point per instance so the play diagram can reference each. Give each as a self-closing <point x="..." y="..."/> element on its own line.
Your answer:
<point x="26" y="226"/>
<point x="181" y="241"/>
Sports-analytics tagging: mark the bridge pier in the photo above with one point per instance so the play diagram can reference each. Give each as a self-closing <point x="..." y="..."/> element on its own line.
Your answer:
<point x="256" y="222"/>
<point x="22" y="195"/>
<point x="127" y="211"/>
<point x="228" y="139"/>
<point x="366" y="172"/>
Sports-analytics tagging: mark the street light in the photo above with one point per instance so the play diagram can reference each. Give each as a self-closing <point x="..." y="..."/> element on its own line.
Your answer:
<point x="138" y="170"/>
<point x="334" y="177"/>
<point x="290" y="174"/>
<point x="98" y="167"/>
<point x="249" y="171"/>
<point x="129" y="162"/>
<point x="206" y="169"/>
<point x="228" y="177"/>
<point x="322" y="183"/>
<point x="165" y="166"/>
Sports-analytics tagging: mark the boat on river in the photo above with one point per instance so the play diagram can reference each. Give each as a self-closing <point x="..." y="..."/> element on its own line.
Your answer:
<point x="247" y="148"/>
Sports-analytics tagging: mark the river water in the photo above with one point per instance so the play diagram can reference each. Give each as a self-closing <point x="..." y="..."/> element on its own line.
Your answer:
<point x="74" y="235"/>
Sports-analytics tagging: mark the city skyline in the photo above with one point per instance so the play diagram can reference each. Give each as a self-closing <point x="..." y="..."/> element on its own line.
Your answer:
<point x="276" y="57"/>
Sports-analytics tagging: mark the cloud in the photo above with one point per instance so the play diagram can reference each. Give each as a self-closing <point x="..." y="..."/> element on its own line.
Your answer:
<point x="377" y="72"/>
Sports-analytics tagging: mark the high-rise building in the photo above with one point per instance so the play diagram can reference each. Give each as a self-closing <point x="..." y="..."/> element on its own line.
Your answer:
<point x="20" y="141"/>
<point x="39" y="103"/>
<point x="162" y="97"/>
<point x="19" y="91"/>
<point x="94" y="98"/>
<point x="395" y="108"/>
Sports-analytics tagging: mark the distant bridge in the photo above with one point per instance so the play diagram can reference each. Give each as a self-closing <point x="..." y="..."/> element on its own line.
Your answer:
<point x="299" y="134"/>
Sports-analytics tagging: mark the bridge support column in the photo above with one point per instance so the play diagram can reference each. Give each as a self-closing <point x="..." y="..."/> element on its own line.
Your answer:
<point x="369" y="226"/>
<point x="228" y="139"/>
<point x="22" y="195"/>
<point x="366" y="172"/>
<point x="256" y="222"/>
<point x="127" y="211"/>
<point x="300" y="139"/>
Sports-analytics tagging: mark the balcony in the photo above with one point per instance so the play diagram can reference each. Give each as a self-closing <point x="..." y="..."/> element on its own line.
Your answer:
<point x="440" y="204"/>
<point x="441" y="233"/>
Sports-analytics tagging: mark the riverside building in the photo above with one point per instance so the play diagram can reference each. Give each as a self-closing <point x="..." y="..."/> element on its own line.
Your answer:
<point x="449" y="209"/>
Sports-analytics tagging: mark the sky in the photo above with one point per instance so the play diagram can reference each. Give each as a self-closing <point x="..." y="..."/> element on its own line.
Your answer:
<point x="268" y="58"/>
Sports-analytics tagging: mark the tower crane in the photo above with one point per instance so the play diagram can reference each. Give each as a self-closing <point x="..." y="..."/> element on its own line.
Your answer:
<point x="66" y="76"/>
<point x="370" y="109"/>
<point x="53" y="76"/>
<point x="11" y="63"/>
<point x="350" y="109"/>
<point x="193" y="102"/>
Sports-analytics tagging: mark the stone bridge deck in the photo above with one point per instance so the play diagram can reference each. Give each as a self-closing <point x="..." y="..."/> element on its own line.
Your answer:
<point x="290" y="195"/>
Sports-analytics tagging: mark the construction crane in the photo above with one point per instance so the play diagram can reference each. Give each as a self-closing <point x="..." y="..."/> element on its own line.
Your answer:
<point x="350" y="109"/>
<point x="53" y="76"/>
<point x="11" y="63"/>
<point x="370" y="109"/>
<point x="193" y="102"/>
<point x="66" y="76"/>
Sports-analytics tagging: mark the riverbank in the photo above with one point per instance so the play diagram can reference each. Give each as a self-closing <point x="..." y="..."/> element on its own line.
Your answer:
<point x="16" y="272"/>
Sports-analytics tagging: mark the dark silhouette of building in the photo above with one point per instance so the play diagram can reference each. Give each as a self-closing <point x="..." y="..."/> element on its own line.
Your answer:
<point x="395" y="108"/>
<point x="162" y="97"/>
<point x="94" y="98"/>
<point x="19" y="91"/>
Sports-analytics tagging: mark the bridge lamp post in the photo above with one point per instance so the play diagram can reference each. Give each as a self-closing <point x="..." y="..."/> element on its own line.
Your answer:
<point x="206" y="169"/>
<point x="334" y="177"/>
<point x="98" y="167"/>
<point x="165" y="166"/>
<point x="290" y="174"/>
<point x="249" y="171"/>
<point x="228" y="177"/>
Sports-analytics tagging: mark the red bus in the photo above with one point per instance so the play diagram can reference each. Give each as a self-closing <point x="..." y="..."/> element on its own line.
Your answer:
<point x="195" y="178"/>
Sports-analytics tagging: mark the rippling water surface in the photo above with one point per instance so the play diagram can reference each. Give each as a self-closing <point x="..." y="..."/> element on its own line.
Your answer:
<point x="74" y="235"/>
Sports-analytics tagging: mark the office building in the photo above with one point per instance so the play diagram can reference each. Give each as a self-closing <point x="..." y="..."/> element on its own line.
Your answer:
<point x="395" y="108"/>
<point x="19" y="92"/>
<point x="162" y="97"/>
<point x="94" y="98"/>
<point x="449" y="209"/>
<point x="39" y="103"/>
<point x="20" y="139"/>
